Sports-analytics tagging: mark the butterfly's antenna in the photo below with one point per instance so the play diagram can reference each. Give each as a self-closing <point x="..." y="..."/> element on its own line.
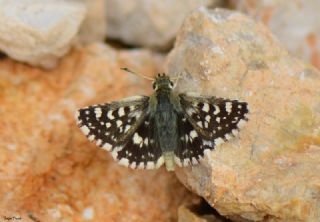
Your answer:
<point x="177" y="78"/>
<point x="137" y="74"/>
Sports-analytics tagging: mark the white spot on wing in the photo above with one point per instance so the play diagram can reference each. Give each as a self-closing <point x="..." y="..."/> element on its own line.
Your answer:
<point x="235" y="132"/>
<point x="127" y="128"/>
<point x="150" y="165"/>
<point x="218" y="141"/>
<point x="205" y="107"/>
<point x="91" y="137"/>
<point x="115" y="151"/>
<point x="194" y="160"/>
<point x="109" y="115"/>
<point x="137" y="139"/>
<point x="241" y="123"/>
<point x="107" y="146"/>
<point x="121" y="111"/>
<point x="207" y="143"/>
<point x="193" y="134"/>
<point x="137" y="114"/>
<point x="206" y="152"/>
<point x="186" y="162"/>
<point x="99" y="142"/>
<point x="177" y="161"/>
<point x="124" y="162"/>
<point x="146" y="141"/>
<point x="133" y="165"/>
<point x="85" y="130"/>
<point x="216" y="110"/>
<point x="190" y="111"/>
<point x="108" y="125"/>
<point x="141" y="165"/>
<point x="77" y="114"/>
<point x="119" y="123"/>
<point x="98" y="112"/>
<point x="228" y="107"/>
<point x="228" y="137"/>
<point x="160" y="161"/>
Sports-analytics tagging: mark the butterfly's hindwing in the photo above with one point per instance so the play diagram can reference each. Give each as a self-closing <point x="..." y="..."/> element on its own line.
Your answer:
<point x="191" y="145"/>
<point x="141" y="150"/>
<point x="215" y="119"/>
<point x="111" y="123"/>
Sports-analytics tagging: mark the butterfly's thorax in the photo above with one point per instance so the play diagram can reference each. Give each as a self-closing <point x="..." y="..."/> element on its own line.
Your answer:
<point x="165" y="121"/>
<point x="165" y="124"/>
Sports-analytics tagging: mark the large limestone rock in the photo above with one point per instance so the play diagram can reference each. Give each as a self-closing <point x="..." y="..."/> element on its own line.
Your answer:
<point x="39" y="32"/>
<point x="270" y="172"/>
<point x="149" y="23"/>
<point x="295" y="23"/>
<point x="49" y="171"/>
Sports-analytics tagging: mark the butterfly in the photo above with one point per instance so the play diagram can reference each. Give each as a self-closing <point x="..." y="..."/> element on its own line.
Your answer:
<point x="168" y="128"/>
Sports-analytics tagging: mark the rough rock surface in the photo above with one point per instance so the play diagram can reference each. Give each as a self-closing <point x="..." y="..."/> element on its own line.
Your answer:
<point x="197" y="212"/>
<point x="296" y="24"/>
<point x="39" y="32"/>
<point x="48" y="169"/>
<point x="94" y="26"/>
<point x="270" y="172"/>
<point x="149" y="23"/>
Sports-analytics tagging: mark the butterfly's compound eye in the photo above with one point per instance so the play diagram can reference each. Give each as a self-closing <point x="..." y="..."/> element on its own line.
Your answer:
<point x="154" y="85"/>
<point x="171" y="84"/>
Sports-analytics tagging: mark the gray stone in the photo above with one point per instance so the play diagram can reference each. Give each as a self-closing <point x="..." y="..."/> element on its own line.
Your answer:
<point x="149" y="23"/>
<point x="295" y="23"/>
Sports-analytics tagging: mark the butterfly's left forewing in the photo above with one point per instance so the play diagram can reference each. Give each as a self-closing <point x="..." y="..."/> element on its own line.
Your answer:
<point x="206" y="122"/>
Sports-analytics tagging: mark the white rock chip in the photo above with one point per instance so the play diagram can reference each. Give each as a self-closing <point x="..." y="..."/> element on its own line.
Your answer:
<point x="88" y="213"/>
<point x="39" y="32"/>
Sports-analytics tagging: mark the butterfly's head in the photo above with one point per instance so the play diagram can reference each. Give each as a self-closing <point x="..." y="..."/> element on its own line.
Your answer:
<point x="162" y="81"/>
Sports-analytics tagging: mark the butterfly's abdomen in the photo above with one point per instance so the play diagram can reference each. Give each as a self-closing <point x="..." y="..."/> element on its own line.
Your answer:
<point x="166" y="127"/>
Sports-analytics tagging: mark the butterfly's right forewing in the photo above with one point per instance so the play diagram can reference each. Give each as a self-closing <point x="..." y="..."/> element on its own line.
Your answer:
<point x="111" y="123"/>
<point x="126" y="129"/>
